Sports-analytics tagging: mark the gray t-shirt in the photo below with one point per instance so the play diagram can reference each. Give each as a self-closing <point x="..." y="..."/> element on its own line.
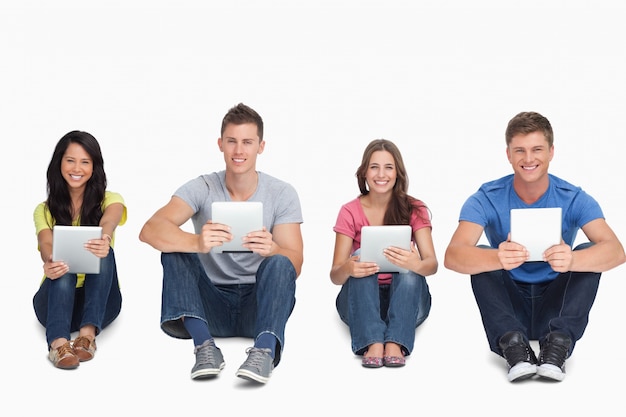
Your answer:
<point x="280" y="205"/>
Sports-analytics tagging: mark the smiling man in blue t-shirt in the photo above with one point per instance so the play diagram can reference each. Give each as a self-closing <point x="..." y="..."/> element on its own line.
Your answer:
<point x="548" y="301"/>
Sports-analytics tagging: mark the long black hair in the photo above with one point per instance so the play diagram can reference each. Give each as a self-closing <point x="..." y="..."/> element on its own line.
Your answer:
<point x="59" y="202"/>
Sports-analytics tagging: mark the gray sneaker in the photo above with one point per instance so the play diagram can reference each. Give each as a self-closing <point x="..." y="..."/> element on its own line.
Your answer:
<point x="209" y="361"/>
<point x="258" y="367"/>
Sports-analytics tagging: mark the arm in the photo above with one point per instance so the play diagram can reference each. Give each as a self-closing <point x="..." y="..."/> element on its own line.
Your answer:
<point x="52" y="270"/>
<point x="463" y="256"/>
<point x="286" y="240"/>
<point x="346" y="266"/>
<point x="110" y="219"/>
<point x="606" y="253"/>
<point x="163" y="230"/>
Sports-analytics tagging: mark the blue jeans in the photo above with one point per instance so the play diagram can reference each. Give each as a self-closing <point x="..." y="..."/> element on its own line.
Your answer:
<point x="561" y="305"/>
<point x="62" y="308"/>
<point x="384" y="313"/>
<point x="239" y="310"/>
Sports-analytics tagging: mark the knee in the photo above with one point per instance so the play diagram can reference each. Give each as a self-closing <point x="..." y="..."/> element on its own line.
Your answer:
<point x="108" y="262"/>
<point x="408" y="281"/>
<point x="177" y="260"/>
<point x="65" y="283"/>
<point x="276" y="262"/>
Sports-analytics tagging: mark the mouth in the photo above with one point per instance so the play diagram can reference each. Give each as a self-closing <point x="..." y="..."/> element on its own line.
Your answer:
<point x="529" y="167"/>
<point x="76" y="177"/>
<point x="239" y="160"/>
<point x="381" y="182"/>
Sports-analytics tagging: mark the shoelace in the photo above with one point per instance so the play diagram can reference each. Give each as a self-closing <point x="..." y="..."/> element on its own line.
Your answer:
<point x="554" y="353"/>
<point x="517" y="353"/>
<point x="82" y="342"/>
<point x="256" y="357"/>
<point x="205" y="354"/>
<point x="65" y="350"/>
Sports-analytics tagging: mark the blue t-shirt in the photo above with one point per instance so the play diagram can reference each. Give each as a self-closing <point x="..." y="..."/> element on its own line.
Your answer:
<point x="280" y="205"/>
<point x="490" y="208"/>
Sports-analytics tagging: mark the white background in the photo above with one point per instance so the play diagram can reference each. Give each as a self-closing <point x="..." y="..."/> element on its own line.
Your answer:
<point x="151" y="80"/>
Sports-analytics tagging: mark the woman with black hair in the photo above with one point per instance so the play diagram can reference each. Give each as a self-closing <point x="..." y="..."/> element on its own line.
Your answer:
<point x="68" y="302"/>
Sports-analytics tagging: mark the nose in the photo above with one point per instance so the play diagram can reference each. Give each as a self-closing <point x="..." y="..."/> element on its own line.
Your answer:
<point x="528" y="156"/>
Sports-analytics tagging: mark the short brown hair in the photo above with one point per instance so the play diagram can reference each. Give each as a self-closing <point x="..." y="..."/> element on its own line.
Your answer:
<point x="529" y="122"/>
<point x="241" y="114"/>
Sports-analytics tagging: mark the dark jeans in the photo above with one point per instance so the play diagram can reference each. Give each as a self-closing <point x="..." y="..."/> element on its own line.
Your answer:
<point x="62" y="308"/>
<point x="561" y="305"/>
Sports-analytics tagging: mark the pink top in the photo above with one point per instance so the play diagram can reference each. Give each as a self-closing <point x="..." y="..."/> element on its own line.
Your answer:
<point x="351" y="218"/>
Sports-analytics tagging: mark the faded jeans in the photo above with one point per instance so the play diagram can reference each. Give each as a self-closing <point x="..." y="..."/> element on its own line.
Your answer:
<point x="239" y="310"/>
<point x="384" y="313"/>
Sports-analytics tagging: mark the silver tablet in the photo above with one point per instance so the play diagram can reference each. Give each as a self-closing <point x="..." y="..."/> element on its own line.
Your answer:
<point x="243" y="217"/>
<point x="68" y="245"/>
<point x="374" y="239"/>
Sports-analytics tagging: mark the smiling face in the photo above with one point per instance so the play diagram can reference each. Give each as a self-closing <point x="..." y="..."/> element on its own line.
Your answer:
<point x="76" y="166"/>
<point x="240" y="145"/>
<point x="530" y="155"/>
<point x="381" y="172"/>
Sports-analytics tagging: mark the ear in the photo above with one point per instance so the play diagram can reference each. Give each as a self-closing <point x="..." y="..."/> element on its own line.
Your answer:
<point x="219" y="144"/>
<point x="261" y="147"/>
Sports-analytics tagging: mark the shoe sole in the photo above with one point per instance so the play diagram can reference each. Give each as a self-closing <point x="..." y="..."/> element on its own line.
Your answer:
<point x="521" y="371"/>
<point x="550" y="372"/>
<point x="393" y="361"/>
<point x="372" y="362"/>
<point x="251" y="376"/>
<point x="207" y="373"/>
<point x="372" y="365"/>
<point x="66" y="367"/>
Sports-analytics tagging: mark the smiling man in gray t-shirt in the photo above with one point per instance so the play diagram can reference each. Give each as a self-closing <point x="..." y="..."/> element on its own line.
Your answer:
<point x="208" y="294"/>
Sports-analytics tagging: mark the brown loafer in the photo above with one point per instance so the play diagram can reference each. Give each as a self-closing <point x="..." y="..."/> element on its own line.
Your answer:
<point x="84" y="348"/>
<point x="64" y="357"/>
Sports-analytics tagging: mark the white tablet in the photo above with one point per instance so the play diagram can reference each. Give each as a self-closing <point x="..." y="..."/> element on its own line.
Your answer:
<point x="68" y="245"/>
<point x="243" y="217"/>
<point x="537" y="229"/>
<point x="374" y="239"/>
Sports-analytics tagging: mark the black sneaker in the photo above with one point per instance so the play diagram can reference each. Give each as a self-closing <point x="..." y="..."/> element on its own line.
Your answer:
<point x="554" y="351"/>
<point x="519" y="356"/>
